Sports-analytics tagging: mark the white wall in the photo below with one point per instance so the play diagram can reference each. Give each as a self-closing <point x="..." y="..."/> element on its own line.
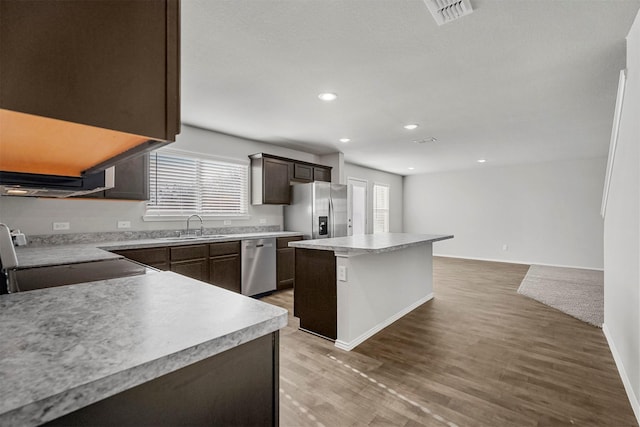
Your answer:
<point x="35" y="216"/>
<point x="395" y="183"/>
<point x="622" y="234"/>
<point x="546" y="213"/>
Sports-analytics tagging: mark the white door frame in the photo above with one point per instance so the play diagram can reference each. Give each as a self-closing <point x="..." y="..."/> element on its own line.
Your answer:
<point x="351" y="181"/>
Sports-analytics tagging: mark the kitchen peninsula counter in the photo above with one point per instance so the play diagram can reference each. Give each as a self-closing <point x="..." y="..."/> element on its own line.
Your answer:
<point x="65" y="348"/>
<point x="61" y="254"/>
<point x="349" y="288"/>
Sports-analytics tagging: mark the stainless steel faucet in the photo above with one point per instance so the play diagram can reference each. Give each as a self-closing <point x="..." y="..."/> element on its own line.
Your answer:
<point x="201" y="224"/>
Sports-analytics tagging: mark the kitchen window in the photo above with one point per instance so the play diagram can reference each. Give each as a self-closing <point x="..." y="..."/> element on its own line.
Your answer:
<point x="380" y="208"/>
<point x="183" y="183"/>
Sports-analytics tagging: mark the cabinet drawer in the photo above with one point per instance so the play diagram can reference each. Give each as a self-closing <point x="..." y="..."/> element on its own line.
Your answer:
<point x="302" y="172"/>
<point x="283" y="242"/>
<point x="149" y="256"/>
<point x="181" y="253"/>
<point x="224" y="248"/>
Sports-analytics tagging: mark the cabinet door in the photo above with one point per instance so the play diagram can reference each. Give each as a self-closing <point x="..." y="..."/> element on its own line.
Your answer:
<point x="224" y="271"/>
<point x="302" y="173"/>
<point x="131" y="180"/>
<point x="321" y="174"/>
<point x="196" y="269"/>
<point x="285" y="262"/>
<point x="286" y="268"/>
<point x="275" y="182"/>
<point x="109" y="64"/>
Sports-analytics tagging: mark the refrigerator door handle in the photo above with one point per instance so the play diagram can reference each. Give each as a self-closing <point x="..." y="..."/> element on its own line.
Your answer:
<point x="331" y="218"/>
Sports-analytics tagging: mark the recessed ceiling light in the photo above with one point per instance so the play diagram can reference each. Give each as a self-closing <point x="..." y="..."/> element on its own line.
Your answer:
<point x="327" y="96"/>
<point x="344" y="140"/>
<point x="481" y="160"/>
<point x="410" y="127"/>
<point x="411" y="168"/>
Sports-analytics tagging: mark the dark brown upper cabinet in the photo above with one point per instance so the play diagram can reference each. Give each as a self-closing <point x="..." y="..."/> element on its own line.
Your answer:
<point x="103" y="63"/>
<point x="271" y="177"/>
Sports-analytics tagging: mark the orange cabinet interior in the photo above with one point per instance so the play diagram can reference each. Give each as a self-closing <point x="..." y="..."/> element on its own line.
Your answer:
<point x="41" y="145"/>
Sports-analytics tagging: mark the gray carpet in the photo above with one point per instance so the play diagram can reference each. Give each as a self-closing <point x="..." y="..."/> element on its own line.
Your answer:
<point x="577" y="292"/>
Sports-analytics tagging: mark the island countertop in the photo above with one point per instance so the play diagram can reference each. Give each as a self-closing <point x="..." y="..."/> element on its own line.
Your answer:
<point x="64" y="348"/>
<point x="370" y="243"/>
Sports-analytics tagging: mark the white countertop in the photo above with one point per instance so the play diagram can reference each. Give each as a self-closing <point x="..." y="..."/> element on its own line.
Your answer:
<point x="64" y="348"/>
<point x="370" y="243"/>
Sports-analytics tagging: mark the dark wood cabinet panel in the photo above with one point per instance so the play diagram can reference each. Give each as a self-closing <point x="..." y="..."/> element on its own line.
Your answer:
<point x="103" y="63"/>
<point x="224" y="248"/>
<point x="131" y="180"/>
<point x="238" y="387"/>
<point x="187" y="253"/>
<point x="224" y="271"/>
<point x="322" y="174"/>
<point x="285" y="262"/>
<point x="196" y="269"/>
<point x="271" y="177"/>
<point x="303" y="173"/>
<point x="315" y="297"/>
<point x="276" y="179"/>
<point x="153" y="257"/>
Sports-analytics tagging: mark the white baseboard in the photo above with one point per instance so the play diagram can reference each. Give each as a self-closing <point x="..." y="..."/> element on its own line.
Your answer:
<point x="633" y="399"/>
<point x="517" y="262"/>
<point x="348" y="346"/>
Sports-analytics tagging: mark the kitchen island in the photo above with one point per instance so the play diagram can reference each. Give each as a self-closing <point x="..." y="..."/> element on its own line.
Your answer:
<point x="349" y="288"/>
<point x="153" y="349"/>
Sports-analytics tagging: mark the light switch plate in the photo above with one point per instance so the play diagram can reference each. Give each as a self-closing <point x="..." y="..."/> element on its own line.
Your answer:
<point x="227" y="222"/>
<point x="124" y="224"/>
<point x="61" y="226"/>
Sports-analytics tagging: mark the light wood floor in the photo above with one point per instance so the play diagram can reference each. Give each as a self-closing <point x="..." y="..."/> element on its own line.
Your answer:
<point x="478" y="354"/>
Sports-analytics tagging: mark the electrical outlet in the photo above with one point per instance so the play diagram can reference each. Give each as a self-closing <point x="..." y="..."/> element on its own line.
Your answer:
<point x="505" y="247"/>
<point x="263" y="220"/>
<point x="227" y="222"/>
<point x="342" y="273"/>
<point x="61" y="226"/>
<point x="124" y="224"/>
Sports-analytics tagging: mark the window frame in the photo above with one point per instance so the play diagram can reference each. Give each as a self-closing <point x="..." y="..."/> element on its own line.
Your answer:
<point x="192" y="155"/>
<point x="375" y="210"/>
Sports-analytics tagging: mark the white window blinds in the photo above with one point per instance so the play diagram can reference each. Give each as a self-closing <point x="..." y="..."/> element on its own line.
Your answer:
<point x="380" y="208"/>
<point x="182" y="185"/>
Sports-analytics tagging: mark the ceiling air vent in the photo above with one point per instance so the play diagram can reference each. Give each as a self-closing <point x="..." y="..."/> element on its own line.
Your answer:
<point x="444" y="11"/>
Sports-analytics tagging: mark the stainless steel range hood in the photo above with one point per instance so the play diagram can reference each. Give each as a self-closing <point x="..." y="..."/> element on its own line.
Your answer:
<point x="35" y="185"/>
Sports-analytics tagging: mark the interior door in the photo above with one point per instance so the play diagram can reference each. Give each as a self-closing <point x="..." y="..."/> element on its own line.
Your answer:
<point x="356" y="206"/>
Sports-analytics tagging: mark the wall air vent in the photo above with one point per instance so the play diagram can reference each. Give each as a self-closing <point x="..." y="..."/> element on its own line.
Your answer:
<point x="444" y="11"/>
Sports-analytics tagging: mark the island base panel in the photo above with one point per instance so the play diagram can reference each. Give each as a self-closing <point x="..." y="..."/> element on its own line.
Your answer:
<point x="236" y="387"/>
<point x="315" y="300"/>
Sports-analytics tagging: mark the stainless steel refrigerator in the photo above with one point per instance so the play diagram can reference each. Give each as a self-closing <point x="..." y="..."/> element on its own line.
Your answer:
<point x="318" y="210"/>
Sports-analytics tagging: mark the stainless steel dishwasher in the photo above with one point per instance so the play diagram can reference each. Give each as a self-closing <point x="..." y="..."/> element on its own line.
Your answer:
<point x="258" y="266"/>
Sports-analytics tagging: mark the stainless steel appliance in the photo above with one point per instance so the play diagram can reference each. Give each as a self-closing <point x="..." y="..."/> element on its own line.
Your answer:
<point x="318" y="210"/>
<point x="258" y="266"/>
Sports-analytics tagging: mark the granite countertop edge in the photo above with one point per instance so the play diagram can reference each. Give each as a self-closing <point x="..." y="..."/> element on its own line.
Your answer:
<point x="55" y="406"/>
<point x="357" y="250"/>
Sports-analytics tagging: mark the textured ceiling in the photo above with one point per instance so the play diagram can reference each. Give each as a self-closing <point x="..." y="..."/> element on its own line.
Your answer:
<point x="514" y="82"/>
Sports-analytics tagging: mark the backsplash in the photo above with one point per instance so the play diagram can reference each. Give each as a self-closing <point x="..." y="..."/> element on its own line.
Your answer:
<point x="117" y="236"/>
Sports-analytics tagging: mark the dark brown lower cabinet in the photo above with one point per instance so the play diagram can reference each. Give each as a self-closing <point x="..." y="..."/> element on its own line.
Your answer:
<point x="215" y="263"/>
<point x="285" y="262"/>
<point x="224" y="271"/>
<point x="315" y="296"/>
<point x="237" y="387"/>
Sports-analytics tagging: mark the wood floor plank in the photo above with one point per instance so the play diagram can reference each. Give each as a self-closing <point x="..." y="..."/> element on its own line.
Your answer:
<point x="478" y="354"/>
